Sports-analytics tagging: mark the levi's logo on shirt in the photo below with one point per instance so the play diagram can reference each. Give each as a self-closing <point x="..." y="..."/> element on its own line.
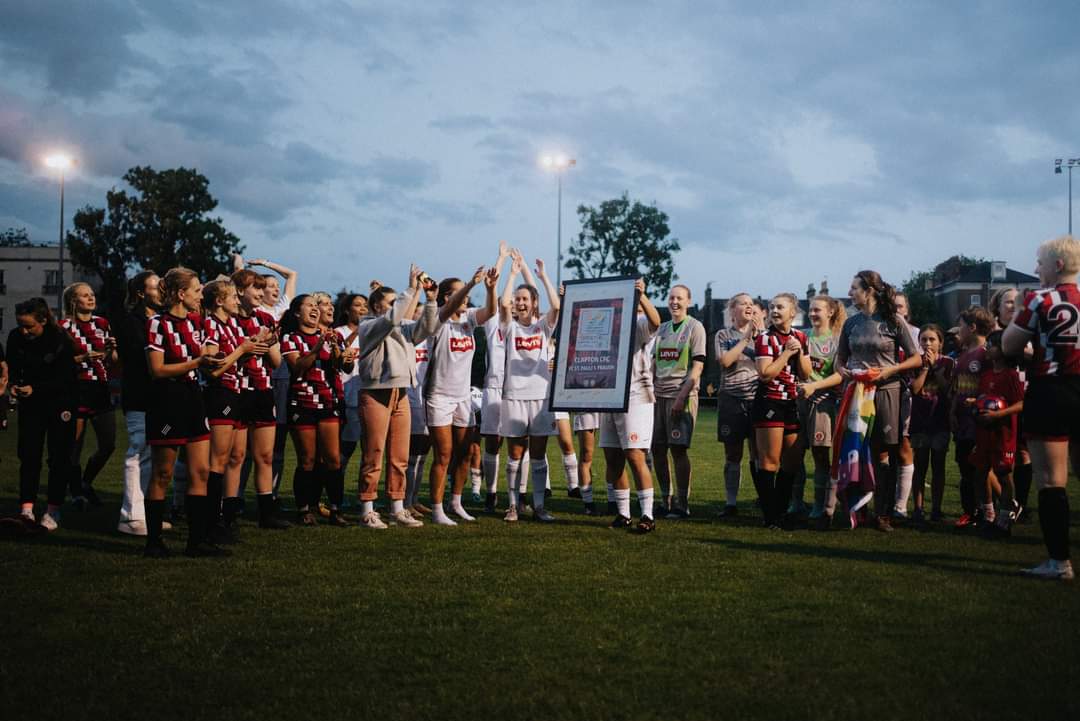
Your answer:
<point x="533" y="342"/>
<point x="421" y="355"/>
<point x="461" y="345"/>
<point x="669" y="354"/>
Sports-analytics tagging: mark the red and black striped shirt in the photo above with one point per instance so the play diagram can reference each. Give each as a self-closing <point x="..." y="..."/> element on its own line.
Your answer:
<point x="257" y="368"/>
<point x="319" y="386"/>
<point x="1053" y="316"/>
<point x="226" y="336"/>
<point x="178" y="339"/>
<point x="770" y="344"/>
<point x="89" y="335"/>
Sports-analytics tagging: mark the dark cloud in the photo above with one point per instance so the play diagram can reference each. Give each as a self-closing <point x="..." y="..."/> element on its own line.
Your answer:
<point x="81" y="48"/>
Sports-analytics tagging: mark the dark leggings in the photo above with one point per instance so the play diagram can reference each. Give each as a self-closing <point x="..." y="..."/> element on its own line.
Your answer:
<point x="36" y="425"/>
<point x="104" y="425"/>
<point x="967" y="475"/>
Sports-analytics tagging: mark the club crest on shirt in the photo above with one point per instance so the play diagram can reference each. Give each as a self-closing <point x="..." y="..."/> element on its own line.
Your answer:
<point x="676" y="434"/>
<point x="819" y="436"/>
<point x="421" y="355"/>
<point x="461" y="345"/>
<point x="634" y="437"/>
<point x="530" y="343"/>
<point x="974" y="366"/>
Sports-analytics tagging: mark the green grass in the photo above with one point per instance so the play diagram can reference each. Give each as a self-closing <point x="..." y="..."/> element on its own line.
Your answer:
<point x="701" y="619"/>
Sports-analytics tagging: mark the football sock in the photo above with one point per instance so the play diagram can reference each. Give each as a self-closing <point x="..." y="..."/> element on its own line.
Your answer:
<point x="397" y="506"/>
<point x="766" y="485"/>
<point x="798" y="490"/>
<point x="622" y="501"/>
<point x="335" y="487"/>
<point x="490" y="466"/>
<point x="1054" y="520"/>
<point x="513" y="480"/>
<point x="477" y="478"/>
<point x="785" y="480"/>
<point x="155" y="517"/>
<point x="214" y="484"/>
<point x="586" y="493"/>
<point x="1022" y="478"/>
<point x="645" y="501"/>
<point x="821" y="490"/>
<point x="367" y="507"/>
<point x="988" y="512"/>
<point x="300" y="488"/>
<point x="732" y="479"/>
<point x="456" y="507"/>
<point x="438" y="515"/>
<point x="541" y="481"/>
<point x="903" y="487"/>
<point x="570" y="466"/>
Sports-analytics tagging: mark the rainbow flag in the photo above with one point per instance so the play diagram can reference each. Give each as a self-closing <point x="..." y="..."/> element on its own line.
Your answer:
<point x="853" y="459"/>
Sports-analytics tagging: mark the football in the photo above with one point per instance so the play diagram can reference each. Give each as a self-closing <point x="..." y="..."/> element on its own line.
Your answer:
<point x="989" y="403"/>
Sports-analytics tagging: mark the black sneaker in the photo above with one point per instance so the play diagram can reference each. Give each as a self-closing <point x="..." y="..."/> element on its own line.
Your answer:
<point x="573" y="493"/>
<point x="729" y="512"/>
<point x="156" y="549"/>
<point x="206" y="549"/>
<point x="547" y="493"/>
<point x="646" y="525"/>
<point x="590" y="509"/>
<point x="273" y="523"/>
<point x="678" y="514"/>
<point x="621" y="522"/>
<point x="221" y="535"/>
<point x="306" y="518"/>
<point x="337" y="519"/>
<point x="490" y="501"/>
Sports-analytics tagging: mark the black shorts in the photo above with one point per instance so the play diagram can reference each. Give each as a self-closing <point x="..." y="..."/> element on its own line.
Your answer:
<point x="258" y="408"/>
<point x="301" y="417"/>
<point x="223" y="407"/>
<point x="771" y="413"/>
<point x="175" y="414"/>
<point x="733" y="418"/>
<point x="93" y="398"/>
<point x="1052" y="409"/>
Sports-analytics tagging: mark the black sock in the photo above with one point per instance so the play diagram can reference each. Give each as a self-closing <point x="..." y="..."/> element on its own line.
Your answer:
<point x="231" y="509"/>
<point x="766" y="488"/>
<point x="315" y="487"/>
<point x="1022" y="479"/>
<point x="267" y="507"/>
<point x="1054" y="520"/>
<point x="215" y="483"/>
<point x="782" y="493"/>
<point x="155" y="516"/>
<point x="75" y="485"/>
<point x="197" y="511"/>
<point x="335" y="487"/>
<point x="301" y="483"/>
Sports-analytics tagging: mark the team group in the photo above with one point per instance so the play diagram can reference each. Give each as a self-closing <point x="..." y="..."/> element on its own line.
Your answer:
<point x="229" y="370"/>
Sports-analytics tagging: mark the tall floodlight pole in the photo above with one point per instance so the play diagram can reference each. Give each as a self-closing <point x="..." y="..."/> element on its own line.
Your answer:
<point x="557" y="163"/>
<point x="1069" y="164"/>
<point x="61" y="162"/>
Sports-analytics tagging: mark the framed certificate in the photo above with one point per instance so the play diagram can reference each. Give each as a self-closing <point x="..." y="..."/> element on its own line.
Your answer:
<point x="593" y="342"/>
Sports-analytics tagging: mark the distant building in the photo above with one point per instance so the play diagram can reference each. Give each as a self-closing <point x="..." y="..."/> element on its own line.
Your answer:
<point x="975" y="285"/>
<point x="29" y="271"/>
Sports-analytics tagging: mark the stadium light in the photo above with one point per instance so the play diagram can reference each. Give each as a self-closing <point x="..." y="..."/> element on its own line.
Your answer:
<point x="557" y="163"/>
<point x="63" y="163"/>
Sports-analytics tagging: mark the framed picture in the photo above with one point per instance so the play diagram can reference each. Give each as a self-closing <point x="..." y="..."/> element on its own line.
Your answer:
<point x="593" y="342"/>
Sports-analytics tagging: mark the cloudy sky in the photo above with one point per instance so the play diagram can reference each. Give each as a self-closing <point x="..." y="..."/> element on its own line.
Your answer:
<point x="346" y="139"/>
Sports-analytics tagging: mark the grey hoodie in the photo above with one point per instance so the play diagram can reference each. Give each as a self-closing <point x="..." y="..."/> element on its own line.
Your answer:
<point x="387" y="344"/>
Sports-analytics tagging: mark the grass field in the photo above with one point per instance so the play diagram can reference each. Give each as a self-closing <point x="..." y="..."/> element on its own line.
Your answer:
<point x="701" y="619"/>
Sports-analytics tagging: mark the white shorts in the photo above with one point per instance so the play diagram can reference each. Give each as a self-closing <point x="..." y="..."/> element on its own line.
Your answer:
<point x="525" y="418"/>
<point x="586" y="421"/>
<point x="419" y="420"/>
<point x="490" y="412"/>
<point x="444" y="411"/>
<point x="562" y="416"/>
<point x="352" y="430"/>
<point x="632" y="429"/>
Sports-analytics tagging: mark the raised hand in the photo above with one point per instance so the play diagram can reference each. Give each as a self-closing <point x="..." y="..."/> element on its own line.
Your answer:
<point x="374" y="285"/>
<point x="491" y="278"/>
<point x="639" y="285"/>
<point x="504" y="250"/>
<point x="539" y="267"/>
<point x="478" y="276"/>
<point x="414" y="276"/>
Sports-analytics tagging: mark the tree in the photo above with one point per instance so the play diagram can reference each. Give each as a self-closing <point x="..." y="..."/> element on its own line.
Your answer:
<point x="625" y="238"/>
<point x="164" y="223"/>
<point x="14" y="238"/>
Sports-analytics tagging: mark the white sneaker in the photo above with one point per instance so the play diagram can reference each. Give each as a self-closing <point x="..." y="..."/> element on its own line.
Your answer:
<point x="511" y="514"/>
<point x="405" y="519"/>
<point x="1052" y="570"/>
<point x="49" y="521"/>
<point x="541" y="515"/>
<point x="461" y="513"/>
<point x="132" y="528"/>
<point x="372" y="520"/>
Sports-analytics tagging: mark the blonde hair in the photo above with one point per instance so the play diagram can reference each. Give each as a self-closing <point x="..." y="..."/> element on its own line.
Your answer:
<point x="320" y="296"/>
<point x="839" y="315"/>
<point x="176" y="280"/>
<point x="1064" y="248"/>
<point x="69" y="297"/>
<point x="730" y="307"/>
<point x="214" y="292"/>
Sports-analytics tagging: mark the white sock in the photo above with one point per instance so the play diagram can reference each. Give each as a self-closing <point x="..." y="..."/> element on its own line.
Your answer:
<point x="622" y="501"/>
<point x="586" y="493"/>
<point x="438" y="515"/>
<point x="397" y="506"/>
<point x="988" y="512"/>
<point x="490" y="466"/>
<point x="610" y="492"/>
<point x="457" y="508"/>
<point x="903" y="487"/>
<point x="539" y="470"/>
<point x="477" y="479"/>
<point x="414" y="476"/>
<point x="513" y="480"/>
<point x="569" y="464"/>
<point x="645" y="500"/>
<point x="523" y="485"/>
<point x="732" y="478"/>
<point x="366" y="507"/>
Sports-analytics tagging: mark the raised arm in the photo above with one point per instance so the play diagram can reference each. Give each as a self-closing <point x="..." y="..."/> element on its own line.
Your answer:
<point x="287" y="273"/>
<point x="507" y="301"/>
<point x="553" y="296"/>
<point x="647" y="305"/>
<point x="458" y="297"/>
